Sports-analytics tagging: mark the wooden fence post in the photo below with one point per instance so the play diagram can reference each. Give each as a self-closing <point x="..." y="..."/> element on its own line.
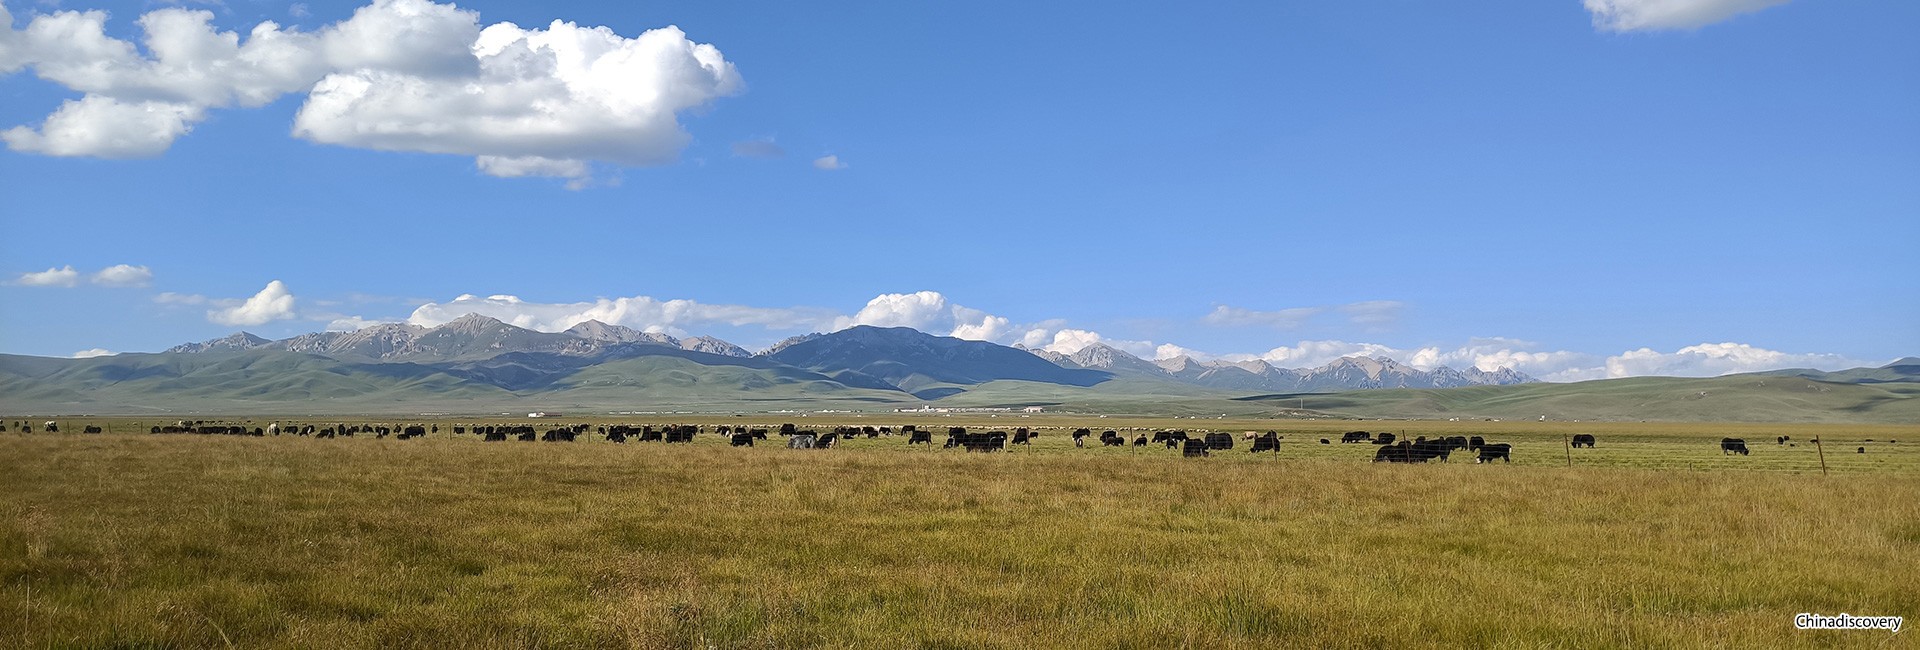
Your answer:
<point x="1823" y="456"/>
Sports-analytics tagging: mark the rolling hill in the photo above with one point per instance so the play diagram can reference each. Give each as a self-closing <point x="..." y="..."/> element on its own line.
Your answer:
<point x="481" y="365"/>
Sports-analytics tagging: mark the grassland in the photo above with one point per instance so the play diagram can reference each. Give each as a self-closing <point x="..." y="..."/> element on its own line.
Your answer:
<point x="1653" y="539"/>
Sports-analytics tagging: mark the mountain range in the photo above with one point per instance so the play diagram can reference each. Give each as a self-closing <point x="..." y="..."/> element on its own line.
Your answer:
<point x="898" y="357"/>
<point x="476" y="363"/>
<point x="469" y="337"/>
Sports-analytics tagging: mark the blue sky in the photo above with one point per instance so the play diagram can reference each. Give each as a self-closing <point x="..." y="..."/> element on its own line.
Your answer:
<point x="1579" y="189"/>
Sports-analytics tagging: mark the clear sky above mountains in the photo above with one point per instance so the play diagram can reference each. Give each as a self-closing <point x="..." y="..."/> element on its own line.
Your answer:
<point x="1577" y="189"/>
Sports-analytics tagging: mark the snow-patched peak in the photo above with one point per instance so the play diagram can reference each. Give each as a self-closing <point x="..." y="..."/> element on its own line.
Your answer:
<point x="471" y="324"/>
<point x="594" y="330"/>
<point x="1182" y="364"/>
<point x="1255" y="374"/>
<point x="789" y="342"/>
<point x="712" y="345"/>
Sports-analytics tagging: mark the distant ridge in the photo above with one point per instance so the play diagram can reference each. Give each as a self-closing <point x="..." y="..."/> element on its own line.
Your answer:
<point x="1904" y="370"/>
<point x="476" y="363"/>
<point x="911" y="359"/>
<point x="1345" y="373"/>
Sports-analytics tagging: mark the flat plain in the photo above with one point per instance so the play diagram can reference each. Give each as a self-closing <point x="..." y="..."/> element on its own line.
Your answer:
<point x="1654" y="538"/>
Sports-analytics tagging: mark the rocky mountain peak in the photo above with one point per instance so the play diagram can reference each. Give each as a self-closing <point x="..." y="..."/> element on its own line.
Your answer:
<point x="711" y="345"/>
<point x="230" y="342"/>
<point x="594" y="330"/>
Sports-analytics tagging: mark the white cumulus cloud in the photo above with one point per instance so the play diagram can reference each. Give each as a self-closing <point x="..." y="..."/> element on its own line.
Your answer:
<point x="930" y="311"/>
<point x="272" y="303"/>
<point x="398" y="75"/>
<point x="1648" y="15"/>
<point x="543" y="101"/>
<point x="1171" y="351"/>
<point x="828" y="163"/>
<point x="93" y="352"/>
<point x="1069" y="341"/>
<point x="918" y="310"/>
<point x="123" y="275"/>
<point x="104" y="127"/>
<point x="53" y="277"/>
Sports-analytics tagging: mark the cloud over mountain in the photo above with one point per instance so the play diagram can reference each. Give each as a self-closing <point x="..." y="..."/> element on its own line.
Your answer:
<point x="274" y="302"/>
<point x="640" y="312"/>
<point x="935" y="313"/>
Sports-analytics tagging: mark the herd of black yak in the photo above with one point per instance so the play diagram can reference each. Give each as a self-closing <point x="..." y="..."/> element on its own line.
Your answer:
<point x="1392" y="449"/>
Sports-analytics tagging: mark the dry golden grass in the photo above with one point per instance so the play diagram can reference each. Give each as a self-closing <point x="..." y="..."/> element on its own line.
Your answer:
<point x="214" y="541"/>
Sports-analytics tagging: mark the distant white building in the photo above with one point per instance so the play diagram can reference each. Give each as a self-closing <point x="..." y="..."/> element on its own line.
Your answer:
<point x="1032" y="409"/>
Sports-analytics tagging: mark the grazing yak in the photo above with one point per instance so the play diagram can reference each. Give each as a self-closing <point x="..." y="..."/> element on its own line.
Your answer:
<point x="1474" y="443"/>
<point x="977" y="441"/>
<point x="800" y="440"/>
<point x="989" y="441"/>
<point x="1195" y="448"/>
<point x="1500" y="450"/>
<point x="1140" y="441"/>
<point x="1733" y="445"/>
<point x="1781" y="440"/>
<point x="1419" y="450"/>
<point x="742" y="439"/>
<point x="917" y="437"/>
<point x="1080" y="437"/>
<point x="1401" y="453"/>
<point x="1355" y="436"/>
<point x="1324" y="441"/>
<point x="1112" y="439"/>
<point x="1583" y="440"/>
<point x="1021" y="436"/>
<point x="1384" y="439"/>
<point x="1268" y="442"/>
<point x="90" y="429"/>
<point x="1218" y="440"/>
